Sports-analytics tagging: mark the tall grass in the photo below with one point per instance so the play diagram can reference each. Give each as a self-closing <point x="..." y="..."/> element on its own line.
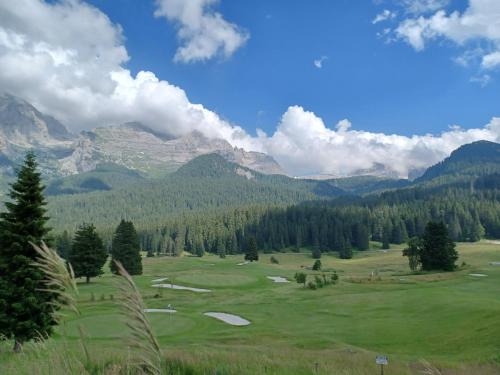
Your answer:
<point x="147" y="354"/>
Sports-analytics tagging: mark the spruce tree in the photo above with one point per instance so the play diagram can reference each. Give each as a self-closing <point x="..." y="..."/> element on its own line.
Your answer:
<point x="438" y="250"/>
<point x="125" y="248"/>
<point x="88" y="253"/>
<point x="251" y="252"/>
<point x="25" y="311"/>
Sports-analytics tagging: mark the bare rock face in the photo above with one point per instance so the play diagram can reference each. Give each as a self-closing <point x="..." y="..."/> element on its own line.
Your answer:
<point x="138" y="147"/>
<point x="132" y="145"/>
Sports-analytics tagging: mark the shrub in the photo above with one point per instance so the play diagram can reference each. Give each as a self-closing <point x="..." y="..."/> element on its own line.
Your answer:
<point x="317" y="265"/>
<point x="318" y="281"/>
<point x="301" y="278"/>
<point x="311" y="285"/>
<point x="274" y="260"/>
<point x="334" y="277"/>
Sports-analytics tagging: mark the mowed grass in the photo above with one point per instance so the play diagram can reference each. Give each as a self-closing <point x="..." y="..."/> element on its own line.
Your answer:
<point x="449" y="320"/>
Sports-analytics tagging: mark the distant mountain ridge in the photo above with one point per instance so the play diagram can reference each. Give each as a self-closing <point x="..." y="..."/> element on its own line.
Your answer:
<point x="132" y="145"/>
<point x="473" y="159"/>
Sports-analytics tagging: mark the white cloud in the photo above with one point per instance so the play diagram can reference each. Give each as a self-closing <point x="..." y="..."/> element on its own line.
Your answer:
<point x="423" y="6"/>
<point x="491" y="60"/>
<point x="479" y="22"/>
<point x="318" y="63"/>
<point x="203" y="32"/>
<point x="384" y="16"/>
<point x="67" y="58"/>
<point x="304" y="145"/>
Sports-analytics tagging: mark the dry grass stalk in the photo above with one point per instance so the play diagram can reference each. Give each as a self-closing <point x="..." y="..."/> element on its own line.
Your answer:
<point x="59" y="280"/>
<point x="148" y="353"/>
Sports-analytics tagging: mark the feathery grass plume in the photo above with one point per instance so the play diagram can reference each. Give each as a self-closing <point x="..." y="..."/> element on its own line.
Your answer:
<point x="429" y="369"/>
<point x="59" y="279"/>
<point x="148" y="354"/>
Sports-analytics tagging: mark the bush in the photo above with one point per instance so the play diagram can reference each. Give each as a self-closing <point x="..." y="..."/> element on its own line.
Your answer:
<point x="334" y="277"/>
<point x="311" y="285"/>
<point x="317" y="265"/>
<point x="274" y="260"/>
<point x="301" y="278"/>
<point x="318" y="281"/>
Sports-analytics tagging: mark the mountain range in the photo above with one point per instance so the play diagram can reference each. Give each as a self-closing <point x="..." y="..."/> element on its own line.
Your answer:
<point x="132" y="145"/>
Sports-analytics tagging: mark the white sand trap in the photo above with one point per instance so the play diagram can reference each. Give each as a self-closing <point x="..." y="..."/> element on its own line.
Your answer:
<point x="169" y="311"/>
<point x="180" y="287"/>
<point x="278" y="279"/>
<point x="234" y="320"/>
<point x="159" y="280"/>
<point x="477" y="275"/>
<point x="494" y="263"/>
<point x="243" y="263"/>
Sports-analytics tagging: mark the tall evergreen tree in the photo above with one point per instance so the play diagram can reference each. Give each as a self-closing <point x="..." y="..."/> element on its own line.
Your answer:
<point x="438" y="250"/>
<point x="88" y="253"/>
<point x="25" y="312"/>
<point x="125" y="248"/>
<point x="251" y="252"/>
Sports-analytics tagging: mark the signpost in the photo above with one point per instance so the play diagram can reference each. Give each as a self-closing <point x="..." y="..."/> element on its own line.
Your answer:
<point x="382" y="361"/>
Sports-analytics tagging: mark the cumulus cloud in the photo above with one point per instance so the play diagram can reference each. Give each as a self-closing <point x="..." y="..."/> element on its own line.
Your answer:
<point x="384" y="16"/>
<point x="479" y="22"/>
<point x="67" y="58"/>
<point x="203" y="32"/>
<point x="304" y="145"/>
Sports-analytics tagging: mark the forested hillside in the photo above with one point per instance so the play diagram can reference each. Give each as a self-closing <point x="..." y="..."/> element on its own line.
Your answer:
<point x="207" y="183"/>
<point x="214" y="205"/>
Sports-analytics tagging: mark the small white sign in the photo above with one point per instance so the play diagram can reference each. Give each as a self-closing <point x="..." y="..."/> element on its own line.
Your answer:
<point x="381" y="360"/>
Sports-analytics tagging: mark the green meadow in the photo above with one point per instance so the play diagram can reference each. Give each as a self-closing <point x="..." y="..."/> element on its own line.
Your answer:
<point x="432" y="323"/>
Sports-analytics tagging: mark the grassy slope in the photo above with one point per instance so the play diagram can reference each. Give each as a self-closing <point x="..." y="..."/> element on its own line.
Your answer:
<point x="451" y="320"/>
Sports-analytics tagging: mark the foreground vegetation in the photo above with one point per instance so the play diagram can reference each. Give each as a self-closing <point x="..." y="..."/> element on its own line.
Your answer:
<point x="447" y="322"/>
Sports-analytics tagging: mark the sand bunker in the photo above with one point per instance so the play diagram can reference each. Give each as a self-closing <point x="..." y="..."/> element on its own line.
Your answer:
<point x="243" y="263"/>
<point x="180" y="287"/>
<point x="278" y="279"/>
<point x="477" y="275"/>
<point x="169" y="311"/>
<point x="234" y="320"/>
<point x="159" y="280"/>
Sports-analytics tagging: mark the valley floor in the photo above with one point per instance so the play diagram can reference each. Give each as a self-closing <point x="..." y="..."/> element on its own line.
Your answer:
<point x="442" y="323"/>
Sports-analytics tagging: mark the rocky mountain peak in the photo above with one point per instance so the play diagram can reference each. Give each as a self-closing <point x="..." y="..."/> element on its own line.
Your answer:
<point x="22" y="123"/>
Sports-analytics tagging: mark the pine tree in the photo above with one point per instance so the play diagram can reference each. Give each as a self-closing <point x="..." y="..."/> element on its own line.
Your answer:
<point x="25" y="312"/>
<point x="63" y="245"/>
<point x="125" y="248"/>
<point x="251" y="252"/>
<point x="88" y="254"/>
<point x="438" y="250"/>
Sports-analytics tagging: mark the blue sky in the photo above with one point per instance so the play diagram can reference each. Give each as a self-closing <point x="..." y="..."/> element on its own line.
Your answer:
<point x="338" y="87"/>
<point x="379" y="86"/>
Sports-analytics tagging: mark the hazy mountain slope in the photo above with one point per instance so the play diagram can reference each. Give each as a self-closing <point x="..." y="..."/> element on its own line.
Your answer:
<point x="206" y="183"/>
<point x="103" y="177"/>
